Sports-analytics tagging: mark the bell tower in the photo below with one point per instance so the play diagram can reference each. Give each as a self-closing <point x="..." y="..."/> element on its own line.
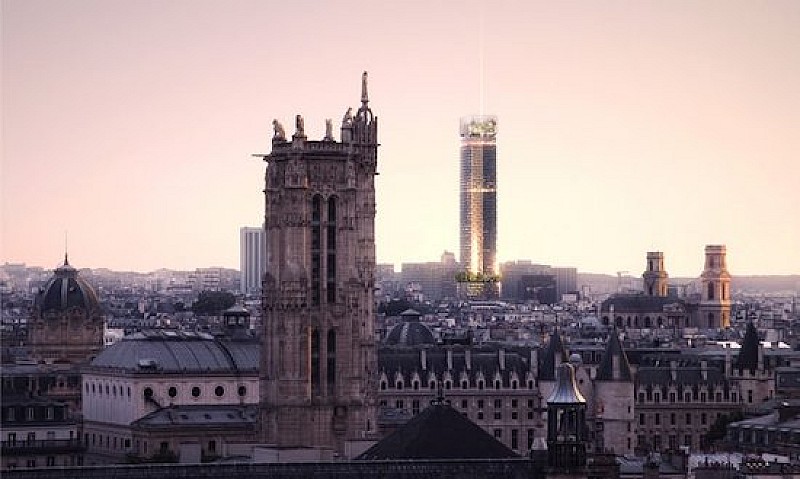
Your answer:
<point x="318" y="358"/>
<point x="715" y="302"/>
<point x="655" y="277"/>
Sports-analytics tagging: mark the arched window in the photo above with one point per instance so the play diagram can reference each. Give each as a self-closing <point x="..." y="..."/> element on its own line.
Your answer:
<point x="711" y="290"/>
<point x="647" y="323"/>
<point x="331" y="244"/>
<point x="316" y="245"/>
<point x="331" y="361"/>
<point x="315" y="373"/>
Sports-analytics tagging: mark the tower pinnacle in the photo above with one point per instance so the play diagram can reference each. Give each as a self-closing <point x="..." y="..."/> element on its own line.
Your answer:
<point x="364" y="95"/>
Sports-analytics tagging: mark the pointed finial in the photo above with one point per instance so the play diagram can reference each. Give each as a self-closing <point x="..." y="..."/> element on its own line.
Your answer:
<point x="364" y="96"/>
<point x="66" y="248"/>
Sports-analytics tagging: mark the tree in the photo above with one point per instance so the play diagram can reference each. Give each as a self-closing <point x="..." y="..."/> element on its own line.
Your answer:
<point x="212" y="302"/>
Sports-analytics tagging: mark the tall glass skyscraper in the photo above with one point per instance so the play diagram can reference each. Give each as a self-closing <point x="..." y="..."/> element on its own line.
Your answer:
<point x="479" y="195"/>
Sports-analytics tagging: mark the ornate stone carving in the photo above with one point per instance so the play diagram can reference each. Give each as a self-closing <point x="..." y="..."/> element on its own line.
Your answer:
<point x="280" y="133"/>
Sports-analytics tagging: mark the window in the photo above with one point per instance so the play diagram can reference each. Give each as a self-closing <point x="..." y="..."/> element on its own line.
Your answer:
<point x="514" y="415"/>
<point x="673" y="442"/>
<point x="672" y="419"/>
<point x="498" y="415"/>
<point x="480" y="384"/>
<point x="703" y="419"/>
<point x="514" y="403"/>
<point x="415" y="384"/>
<point x="671" y="397"/>
<point x="687" y="440"/>
<point x="29" y="414"/>
<point x="195" y="391"/>
<point x="242" y="391"/>
<point x="219" y="391"/>
<point x="383" y="385"/>
<point x="687" y="397"/>
<point x="173" y="391"/>
<point x="688" y="419"/>
<point x="10" y="414"/>
<point x="702" y="397"/>
<point x="641" y="419"/>
<point x="415" y="407"/>
<point x="480" y="403"/>
<point x="148" y="393"/>
<point x="463" y="404"/>
<point x="497" y="384"/>
<point x="657" y="419"/>
<point x="51" y="461"/>
<point x="657" y="398"/>
<point x="498" y="434"/>
<point x="480" y="415"/>
<point x="498" y="403"/>
<point x="514" y="439"/>
<point x="399" y="404"/>
<point x="464" y="384"/>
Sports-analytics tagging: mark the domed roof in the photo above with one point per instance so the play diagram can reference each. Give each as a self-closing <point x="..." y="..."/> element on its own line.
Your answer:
<point x="66" y="290"/>
<point x="410" y="332"/>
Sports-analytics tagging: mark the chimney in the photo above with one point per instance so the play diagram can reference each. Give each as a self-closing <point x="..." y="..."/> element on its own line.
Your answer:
<point x="673" y="370"/>
<point x="468" y="358"/>
<point x="502" y="359"/>
<point x="704" y="369"/>
<point x="727" y="361"/>
<point x="534" y="366"/>
<point x="423" y="358"/>
<point x="760" y="356"/>
<point x="449" y="359"/>
<point x="615" y="369"/>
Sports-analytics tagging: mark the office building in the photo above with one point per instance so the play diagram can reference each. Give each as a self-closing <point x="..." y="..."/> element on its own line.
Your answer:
<point x="478" y="218"/>
<point x="252" y="258"/>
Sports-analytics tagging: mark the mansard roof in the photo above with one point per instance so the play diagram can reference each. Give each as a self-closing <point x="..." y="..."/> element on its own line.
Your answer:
<point x="173" y="352"/>
<point x="438" y="432"/>
<point x="605" y="372"/>
<point x="484" y="359"/>
<point x="555" y="348"/>
<point x="688" y="372"/>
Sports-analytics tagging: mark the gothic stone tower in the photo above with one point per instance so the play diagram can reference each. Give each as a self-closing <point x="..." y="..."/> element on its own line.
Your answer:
<point x="318" y="358"/>
<point x="655" y="277"/>
<point x="715" y="303"/>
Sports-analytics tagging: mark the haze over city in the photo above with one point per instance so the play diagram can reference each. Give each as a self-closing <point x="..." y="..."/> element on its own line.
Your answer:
<point x="622" y="127"/>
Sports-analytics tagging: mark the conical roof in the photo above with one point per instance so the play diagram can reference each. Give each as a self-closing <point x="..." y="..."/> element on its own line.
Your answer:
<point x="605" y="372"/>
<point x="748" y="354"/>
<point x="438" y="432"/>
<point x="555" y="349"/>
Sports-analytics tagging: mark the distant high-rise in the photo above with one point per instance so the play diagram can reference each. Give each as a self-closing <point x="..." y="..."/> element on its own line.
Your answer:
<point x="478" y="194"/>
<point x="252" y="259"/>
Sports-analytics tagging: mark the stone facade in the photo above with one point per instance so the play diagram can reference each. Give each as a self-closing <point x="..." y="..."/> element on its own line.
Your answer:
<point x="319" y="361"/>
<point x="715" y="304"/>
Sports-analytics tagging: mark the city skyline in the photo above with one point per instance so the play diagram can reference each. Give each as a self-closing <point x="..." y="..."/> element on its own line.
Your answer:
<point x="625" y="128"/>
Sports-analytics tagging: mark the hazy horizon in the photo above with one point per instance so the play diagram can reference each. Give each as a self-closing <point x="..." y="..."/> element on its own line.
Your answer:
<point x="623" y="127"/>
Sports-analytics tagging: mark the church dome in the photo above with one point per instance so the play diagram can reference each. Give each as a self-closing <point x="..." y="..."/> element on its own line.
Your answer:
<point x="410" y="332"/>
<point x="66" y="290"/>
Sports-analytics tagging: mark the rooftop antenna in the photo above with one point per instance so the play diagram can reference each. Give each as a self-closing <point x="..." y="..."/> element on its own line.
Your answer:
<point x="66" y="248"/>
<point x="481" y="59"/>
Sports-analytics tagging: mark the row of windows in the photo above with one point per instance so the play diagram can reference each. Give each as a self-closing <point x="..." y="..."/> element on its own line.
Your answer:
<point x="448" y="384"/>
<point x="673" y="419"/>
<point x="110" y="390"/>
<point x="30" y="414"/>
<point x="196" y="391"/>
<point x="50" y="461"/>
<point x="688" y="396"/>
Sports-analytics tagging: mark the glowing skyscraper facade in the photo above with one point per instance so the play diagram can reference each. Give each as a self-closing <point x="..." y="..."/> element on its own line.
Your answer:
<point x="479" y="195"/>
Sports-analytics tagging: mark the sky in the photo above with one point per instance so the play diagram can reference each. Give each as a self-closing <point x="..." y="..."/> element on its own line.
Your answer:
<point x="623" y="126"/>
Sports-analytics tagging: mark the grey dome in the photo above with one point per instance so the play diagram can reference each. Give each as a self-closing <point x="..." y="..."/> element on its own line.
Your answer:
<point x="410" y="332"/>
<point x="66" y="290"/>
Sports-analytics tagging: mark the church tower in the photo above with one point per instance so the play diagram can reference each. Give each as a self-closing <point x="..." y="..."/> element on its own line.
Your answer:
<point x="655" y="277"/>
<point x="318" y="358"/>
<point x="715" y="302"/>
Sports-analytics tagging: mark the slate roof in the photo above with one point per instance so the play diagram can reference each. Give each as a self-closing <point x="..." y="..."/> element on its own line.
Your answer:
<point x="438" y="432"/>
<point x="748" y="354"/>
<point x="687" y="373"/>
<point x="409" y="333"/>
<point x="483" y="359"/>
<point x="547" y="366"/>
<point x="638" y="303"/>
<point x="204" y="417"/>
<point x="605" y="372"/>
<point x="66" y="290"/>
<point x="197" y="353"/>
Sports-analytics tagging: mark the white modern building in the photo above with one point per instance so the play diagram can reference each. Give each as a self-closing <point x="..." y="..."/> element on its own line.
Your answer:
<point x="252" y="251"/>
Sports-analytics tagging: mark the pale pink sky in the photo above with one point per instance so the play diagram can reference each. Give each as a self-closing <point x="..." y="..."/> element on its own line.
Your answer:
<point x="624" y="127"/>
